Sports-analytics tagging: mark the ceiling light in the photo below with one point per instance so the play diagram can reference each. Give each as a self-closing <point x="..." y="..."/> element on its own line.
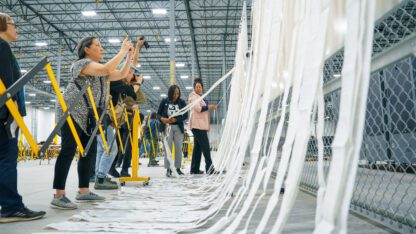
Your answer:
<point x="47" y="81"/>
<point x="32" y="94"/>
<point x="114" y="40"/>
<point x="148" y="111"/>
<point x="159" y="11"/>
<point x="163" y="95"/>
<point x="180" y="65"/>
<point x="184" y="77"/>
<point x="281" y="85"/>
<point x="146" y="77"/>
<point x="139" y="65"/>
<point x="156" y="88"/>
<point x="89" y="13"/>
<point x="167" y="40"/>
<point x="188" y="87"/>
<point x="23" y="70"/>
<point x="41" y="43"/>
<point x="27" y="102"/>
<point x="274" y="84"/>
<point x="53" y="100"/>
<point x="46" y="108"/>
<point x="337" y="75"/>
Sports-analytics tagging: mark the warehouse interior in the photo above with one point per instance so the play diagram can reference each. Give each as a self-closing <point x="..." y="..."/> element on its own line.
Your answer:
<point x="307" y="110"/>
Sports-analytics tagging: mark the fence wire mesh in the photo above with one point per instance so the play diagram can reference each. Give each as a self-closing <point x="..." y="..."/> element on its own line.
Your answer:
<point x="385" y="184"/>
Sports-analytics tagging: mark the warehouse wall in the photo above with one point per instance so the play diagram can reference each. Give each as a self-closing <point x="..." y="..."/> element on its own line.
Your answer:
<point x="40" y="122"/>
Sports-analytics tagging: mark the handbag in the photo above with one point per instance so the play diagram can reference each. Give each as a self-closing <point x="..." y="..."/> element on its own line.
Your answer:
<point x="119" y="114"/>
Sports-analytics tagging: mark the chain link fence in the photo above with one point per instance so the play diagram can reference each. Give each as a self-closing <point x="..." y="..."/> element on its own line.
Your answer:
<point x="385" y="188"/>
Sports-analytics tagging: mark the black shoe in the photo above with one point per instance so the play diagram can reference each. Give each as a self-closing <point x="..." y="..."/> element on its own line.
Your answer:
<point x="179" y="171"/>
<point x="124" y="174"/>
<point x="168" y="173"/>
<point x="24" y="214"/>
<point x="197" y="172"/>
<point x="114" y="173"/>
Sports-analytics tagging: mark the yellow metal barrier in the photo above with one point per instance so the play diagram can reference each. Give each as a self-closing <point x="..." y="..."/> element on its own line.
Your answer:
<point x="113" y="113"/>
<point x="135" y="154"/>
<point x="19" y="120"/>
<point x="64" y="107"/>
<point x="189" y="149"/>
<point x="128" y="125"/>
<point x="97" y="118"/>
<point x="151" y="136"/>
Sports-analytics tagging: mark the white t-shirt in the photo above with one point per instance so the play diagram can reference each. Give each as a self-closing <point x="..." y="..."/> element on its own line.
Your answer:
<point x="172" y="109"/>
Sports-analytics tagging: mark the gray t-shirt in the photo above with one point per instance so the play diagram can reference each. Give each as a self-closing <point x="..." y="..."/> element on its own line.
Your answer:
<point x="80" y="111"/>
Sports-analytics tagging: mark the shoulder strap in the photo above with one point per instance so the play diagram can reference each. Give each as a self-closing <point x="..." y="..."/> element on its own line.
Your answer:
<point x="80" y="89"/>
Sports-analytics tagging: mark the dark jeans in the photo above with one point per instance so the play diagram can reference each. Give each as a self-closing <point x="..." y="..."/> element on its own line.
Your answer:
<point x="10" y="200"/>
<point x="65" y="157"/>
<point x="201" y="145"/>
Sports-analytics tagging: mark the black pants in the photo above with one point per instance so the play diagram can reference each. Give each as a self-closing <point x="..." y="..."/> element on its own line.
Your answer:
<point x="10" y="200"/>
<point x="126" y="157"/>
<point x="201" y="145"/>
<point x="65" y="157"/>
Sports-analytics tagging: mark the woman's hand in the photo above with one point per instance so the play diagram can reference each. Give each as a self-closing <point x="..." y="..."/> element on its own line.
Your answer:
<point x="139" y="43"/>
<point x="212" y="107"/>
<point x="164" y="120"/>
<point x="126" y="46"/>
<point x="139" y="79"/>
<point x="136" y="88"/>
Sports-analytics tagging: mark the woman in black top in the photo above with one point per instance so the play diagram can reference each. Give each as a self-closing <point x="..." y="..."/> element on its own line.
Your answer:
<point x="170" y="105"/>
<point x="86" y="69"/>
<point x="12" y="207"/>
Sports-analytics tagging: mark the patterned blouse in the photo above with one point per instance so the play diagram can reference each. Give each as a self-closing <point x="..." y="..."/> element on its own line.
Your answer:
<point x="80" y="111"/>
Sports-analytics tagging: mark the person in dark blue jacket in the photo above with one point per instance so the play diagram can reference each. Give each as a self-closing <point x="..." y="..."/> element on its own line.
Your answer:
<point x="12" y="207"/>
<point x="169" y="106"/>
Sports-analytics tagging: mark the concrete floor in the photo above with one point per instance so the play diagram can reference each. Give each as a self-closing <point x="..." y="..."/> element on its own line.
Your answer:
<point x="35" y="185"/>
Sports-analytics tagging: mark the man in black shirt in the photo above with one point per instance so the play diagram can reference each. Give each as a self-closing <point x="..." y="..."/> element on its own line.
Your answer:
<point x="12" y="207"/>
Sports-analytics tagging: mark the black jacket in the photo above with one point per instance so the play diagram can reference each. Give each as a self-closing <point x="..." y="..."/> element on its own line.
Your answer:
<point x="120" y="89"/>
<point x="9" y="74"/>
<point x="163" y="112"/>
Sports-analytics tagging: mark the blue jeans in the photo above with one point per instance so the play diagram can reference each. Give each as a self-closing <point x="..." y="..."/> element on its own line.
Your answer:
<point x="142" y="150"/>
<point x="104" y="161"/>
<point x="10" y="200"/>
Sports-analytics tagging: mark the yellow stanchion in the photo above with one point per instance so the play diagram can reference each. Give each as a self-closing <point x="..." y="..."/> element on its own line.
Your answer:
<point x="135" y="154"/>
<point x="189" y="149"/>
<point x="19" y="120"/>
<point x="128" y="125"/>
<point x="113" y="113"/>
<point x="142" y="135"/>
<point x="64" y="107"/>
<point x="97" y="118"/>
<point x="145" y="146"/>
<point x="157" y="131"/>
<point x="151" y="137"/>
